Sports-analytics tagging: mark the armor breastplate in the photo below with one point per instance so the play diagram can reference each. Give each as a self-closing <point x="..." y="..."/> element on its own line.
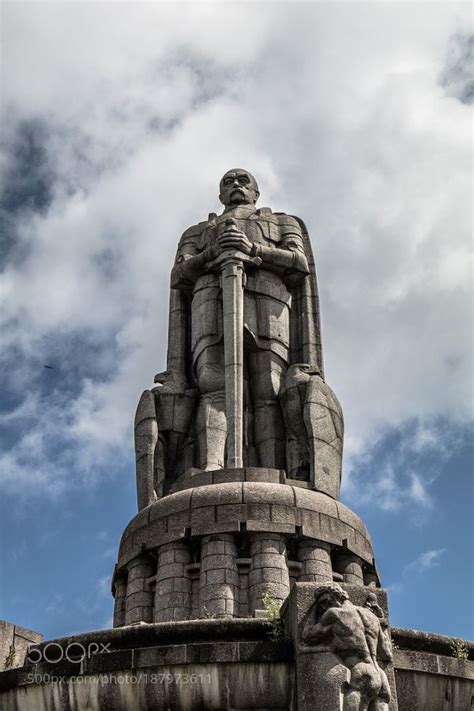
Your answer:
<point x="267" y="300"/>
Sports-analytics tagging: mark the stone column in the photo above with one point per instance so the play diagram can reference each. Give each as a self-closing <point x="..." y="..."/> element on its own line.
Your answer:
<point x="315" y="557"/>
<point x="139" y="599"/>
<point x="120" y="592"/>
<point x="173" y="584"/>
<point x="269" y="570"/>
<point x="349" y="566"/>
<point x="219" y="580"/>
<point x="370" y="579"/>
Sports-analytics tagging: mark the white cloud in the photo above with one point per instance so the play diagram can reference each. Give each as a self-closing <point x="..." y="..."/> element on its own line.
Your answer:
<point x="339" y="111"/>
<point x="103" y="586"/>
<point x="425" y="561"/>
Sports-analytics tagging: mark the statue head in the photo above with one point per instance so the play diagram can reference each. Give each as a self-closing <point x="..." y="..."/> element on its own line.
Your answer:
<point x="238" y="187"/>
<point x="327" y="596"/>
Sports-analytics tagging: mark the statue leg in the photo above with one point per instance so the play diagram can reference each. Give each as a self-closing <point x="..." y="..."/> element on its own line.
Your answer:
<point x="366" y="683"/>
<point x="211" y="423"/>
<point x="382" y="701"/>
<point x="266" y="372"/>
<point x="353" y="701"/>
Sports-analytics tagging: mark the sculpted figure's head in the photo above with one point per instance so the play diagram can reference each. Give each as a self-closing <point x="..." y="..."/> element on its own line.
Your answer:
<point x="327" y="596"/>
<point x="238" y="187"/>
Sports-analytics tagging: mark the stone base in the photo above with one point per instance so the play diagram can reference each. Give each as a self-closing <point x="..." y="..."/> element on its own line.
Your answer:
<point x="213" y="665"/>
<point x="183" y="666"/>
<point x="214" y="549"/>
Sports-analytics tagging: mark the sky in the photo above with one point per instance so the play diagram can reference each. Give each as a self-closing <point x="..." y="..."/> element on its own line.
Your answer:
<point x="118" y="120"/>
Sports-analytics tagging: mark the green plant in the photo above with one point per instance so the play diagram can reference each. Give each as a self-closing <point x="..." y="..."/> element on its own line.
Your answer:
<point x="459" y="649"/>
<point x="208" y="615"/>
<point x="272" y="605"/>
<point x="10" y="658"/>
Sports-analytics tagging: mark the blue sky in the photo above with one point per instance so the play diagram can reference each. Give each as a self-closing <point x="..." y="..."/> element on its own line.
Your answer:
<point x="119" y="120"/>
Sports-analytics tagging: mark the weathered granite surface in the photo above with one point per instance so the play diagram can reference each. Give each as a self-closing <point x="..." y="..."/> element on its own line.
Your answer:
<point x="216" y="665"/>
<point x="14" y="641"/>
<point x="216" y="549"/>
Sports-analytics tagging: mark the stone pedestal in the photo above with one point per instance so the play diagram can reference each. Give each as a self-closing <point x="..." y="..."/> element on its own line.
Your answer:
<point x="219" y="579"/>
<point x="221" y="664"/>
<point x="315" y="558"/>
<point x="120" y="594"/>
<point x="214" y="547"/>
<point x="269" y="572"/>
<point x="173" y="583"/>
<point x="350" y="567"/>
<point x="139" y="599"/>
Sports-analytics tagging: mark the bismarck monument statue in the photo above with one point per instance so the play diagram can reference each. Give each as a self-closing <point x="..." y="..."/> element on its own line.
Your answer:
<point x="239" y="447"/>
<point x="238" y="466"/>
<point x="244" y="382"/>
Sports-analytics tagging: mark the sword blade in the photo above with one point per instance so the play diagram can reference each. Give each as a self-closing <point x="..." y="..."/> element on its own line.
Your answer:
<point x="233" y="317"/>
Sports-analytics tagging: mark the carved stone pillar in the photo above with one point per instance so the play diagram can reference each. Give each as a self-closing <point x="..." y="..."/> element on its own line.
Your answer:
<point x="269" y="570"/>
<point x="370" y="579"/>
<point x="315" y="557"/>
<point x="219" y="580"/>
<point x="139" y="599"/>
<point x="120" y="592"/>
<point x="350" y="568"/>
<point x="173" y="584"/>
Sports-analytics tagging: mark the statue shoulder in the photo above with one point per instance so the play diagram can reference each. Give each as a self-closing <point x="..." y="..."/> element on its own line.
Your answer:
<point x="193" y="233"/>
<point x="194" y="230"/>
<point x="288" y="223"/>
<point x="279" y="219"/>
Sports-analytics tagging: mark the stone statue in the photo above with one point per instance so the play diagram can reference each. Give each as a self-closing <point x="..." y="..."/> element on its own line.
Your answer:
<point x="244" y="334"/>
<point x="358" y="637"/>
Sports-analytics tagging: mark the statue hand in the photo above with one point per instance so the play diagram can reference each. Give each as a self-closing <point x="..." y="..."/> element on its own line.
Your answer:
<point x="234" y="240"/>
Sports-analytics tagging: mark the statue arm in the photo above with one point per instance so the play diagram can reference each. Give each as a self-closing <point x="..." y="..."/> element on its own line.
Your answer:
<point x="187" y="269"/>
<point x="289" y="259"/>
<point x="384" y="651"/>
<point x="190" y="263"/>
<point x="321" y="631"/>
<point x="317" y="634"/>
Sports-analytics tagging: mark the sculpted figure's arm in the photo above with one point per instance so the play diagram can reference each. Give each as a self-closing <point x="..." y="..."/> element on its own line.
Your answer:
<point x="190" y="263"/>
<point x="289" y="258"/>
<point x="321" y="631"/>
<point x="384" y="651"/>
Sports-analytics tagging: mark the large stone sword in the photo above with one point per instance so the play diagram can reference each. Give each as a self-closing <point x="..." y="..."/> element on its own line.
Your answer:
<point x="231" y="264"/>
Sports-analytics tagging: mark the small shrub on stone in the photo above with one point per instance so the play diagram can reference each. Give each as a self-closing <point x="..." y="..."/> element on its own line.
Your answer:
<point x="272" y="605"/>
<point x="10" y="657"/>
<point x="208" y="615"/>
<point x="459" y="649"/>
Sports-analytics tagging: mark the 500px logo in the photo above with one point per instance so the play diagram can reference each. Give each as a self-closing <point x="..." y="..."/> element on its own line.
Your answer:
<point x="74" y="652"/>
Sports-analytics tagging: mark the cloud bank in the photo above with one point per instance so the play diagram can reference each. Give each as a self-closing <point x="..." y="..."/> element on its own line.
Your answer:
<point x="120" y="120"/>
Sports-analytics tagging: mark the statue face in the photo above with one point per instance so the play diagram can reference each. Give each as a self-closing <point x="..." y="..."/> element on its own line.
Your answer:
<point x="238" y="187"/>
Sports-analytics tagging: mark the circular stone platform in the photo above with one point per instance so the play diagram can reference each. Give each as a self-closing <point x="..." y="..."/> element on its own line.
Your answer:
<point x="217" y="548"/>
<point x="250" y="505"/>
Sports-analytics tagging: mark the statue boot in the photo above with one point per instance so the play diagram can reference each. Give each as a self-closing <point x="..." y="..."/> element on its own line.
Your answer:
<point x="211" y="430"/>
<point x="269" y="434"/>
